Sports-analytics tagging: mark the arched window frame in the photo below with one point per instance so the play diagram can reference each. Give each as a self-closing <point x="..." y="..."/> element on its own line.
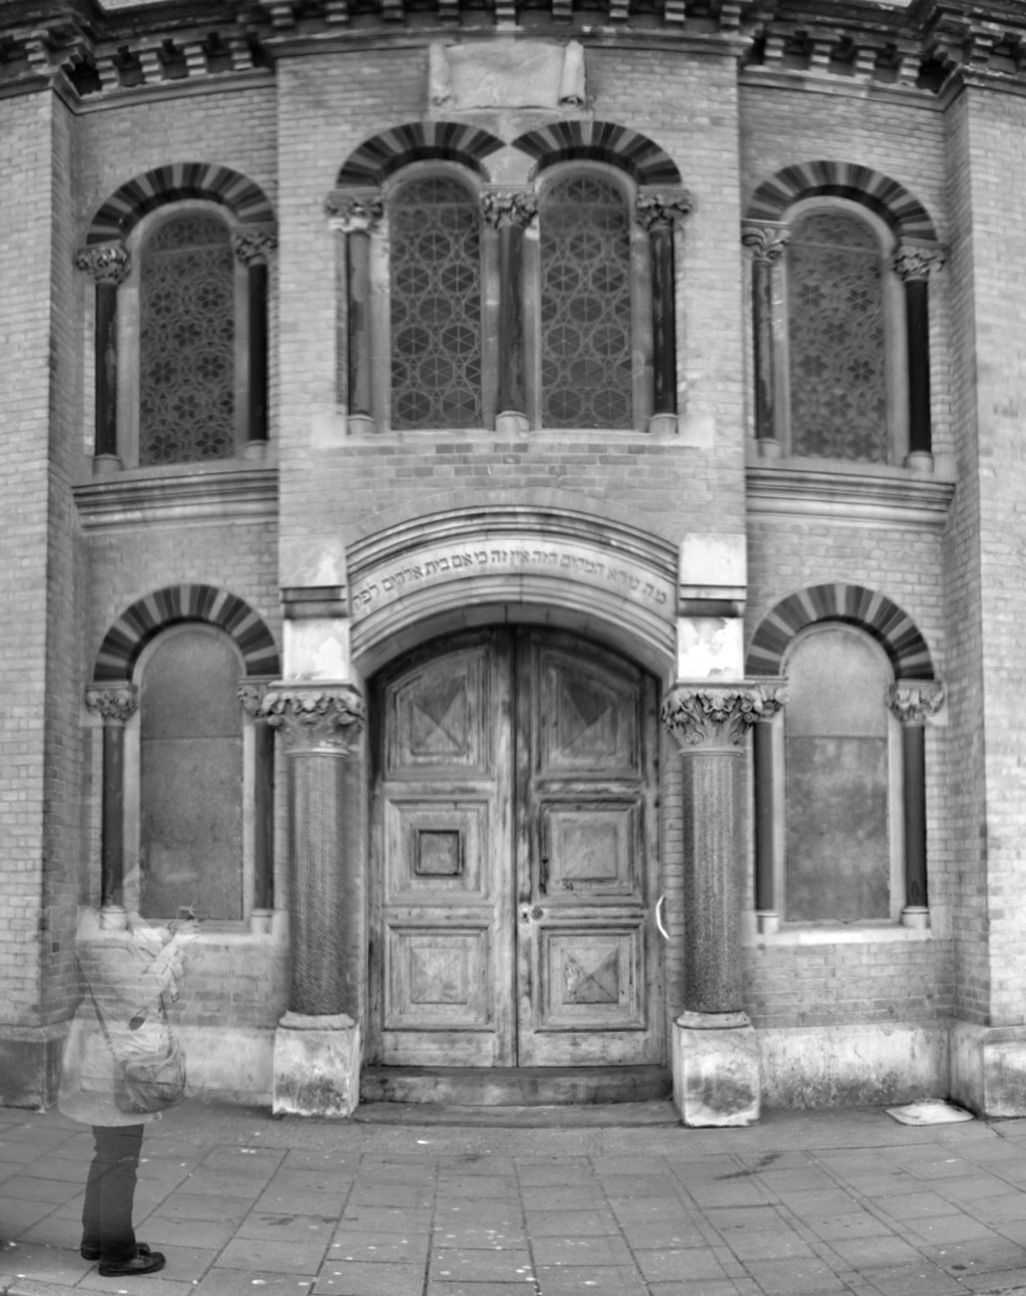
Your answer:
<point x="381" y="278"/>
<point x="895" y="339"/>
<point x="252" y="776"/>
<point x="895" y="787"/>
<point x="640" y="273"/>
<point x="130" y="330"/>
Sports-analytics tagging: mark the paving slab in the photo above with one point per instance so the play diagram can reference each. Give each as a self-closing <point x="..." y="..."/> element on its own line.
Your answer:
<point x="804" y="1204"/>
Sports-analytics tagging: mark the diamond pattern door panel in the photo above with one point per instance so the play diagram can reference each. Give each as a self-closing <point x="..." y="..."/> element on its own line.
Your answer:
<point x="589" y="978"/>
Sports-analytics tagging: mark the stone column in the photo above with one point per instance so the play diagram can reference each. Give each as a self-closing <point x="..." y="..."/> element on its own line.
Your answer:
<point x="353" y="215"/>
<point x="317" y="1047"/>
<point x="914" y="702"/>
<point x="766" y="774"/>
<point x="716" y="1056"/>
<point x="767" y="243"/>
<point x="253" y="248"/>
<point x="115" y="704"/>
<point x="251" y="694"/>
<point x="914" y="264"/>
<point x="109" y="265"/>
<point x="659" y="212"/>
<point x="509" y="212"/>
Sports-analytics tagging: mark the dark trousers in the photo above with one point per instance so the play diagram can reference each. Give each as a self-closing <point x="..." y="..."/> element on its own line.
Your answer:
<point x="110" y="1189"/>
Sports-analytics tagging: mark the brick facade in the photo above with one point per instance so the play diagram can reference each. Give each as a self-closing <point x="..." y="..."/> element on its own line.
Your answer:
<point x="732" y="94"/>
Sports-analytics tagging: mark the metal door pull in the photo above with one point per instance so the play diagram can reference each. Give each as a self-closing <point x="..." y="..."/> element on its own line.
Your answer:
<point x="659" y="917"/>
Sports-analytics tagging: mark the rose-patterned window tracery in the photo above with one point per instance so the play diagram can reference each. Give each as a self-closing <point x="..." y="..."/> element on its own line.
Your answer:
<point x="837" y="338"/>
<point x="586" y="369"/>
<point x="435" y="305"/>
<point x="187" y="341"/>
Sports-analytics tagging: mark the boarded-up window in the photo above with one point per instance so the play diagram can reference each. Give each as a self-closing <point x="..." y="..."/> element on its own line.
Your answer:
<point x="191" y="776"/>
<point x="585" y="305"/>
<point x="836" y="778"/>
<point x="436" y="305"/>
<point x="836" y="338"/>
<point x="187" y="342"/>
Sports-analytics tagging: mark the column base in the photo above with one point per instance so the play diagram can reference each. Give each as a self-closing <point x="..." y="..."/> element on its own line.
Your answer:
<point x="663" y="425"/>
<point x="988" y="1068"/>
<point x="316" y="1066"/>
<point x="512" y="423"/>
<point x="716" y="1073"/>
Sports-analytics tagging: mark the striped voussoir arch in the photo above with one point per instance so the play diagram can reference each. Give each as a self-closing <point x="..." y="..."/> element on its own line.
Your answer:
<point x="643" y="160"/>
<point x="378" y="157"/>
<point x="889" y="199"/>
<point x="154" y="612"/>
<point x="173" y="183"/>
<point x="871" y="611"/>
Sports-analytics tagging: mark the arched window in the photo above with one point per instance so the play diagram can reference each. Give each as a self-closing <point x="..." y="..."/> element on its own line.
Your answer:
<point x="841" y="784"/>
<point x="435" y="283"/>
<point x="837" y="331"/>
<point x="190" y="827"/>
<point x="585" y="304"/>
<point x="187" y="338"/>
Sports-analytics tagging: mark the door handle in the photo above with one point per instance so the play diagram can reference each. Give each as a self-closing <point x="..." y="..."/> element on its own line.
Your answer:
<point x="659" y="917"/>
<point x="527" y="912"/>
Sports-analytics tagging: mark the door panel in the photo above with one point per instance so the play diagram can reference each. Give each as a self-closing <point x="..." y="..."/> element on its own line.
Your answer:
<point x="514" y="866"/>
<point x="589" y="971"/>
<point x="441" y="909"/>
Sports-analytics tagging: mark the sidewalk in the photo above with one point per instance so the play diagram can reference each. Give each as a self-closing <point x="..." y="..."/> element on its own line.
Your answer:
<point x="799" y="1205"/>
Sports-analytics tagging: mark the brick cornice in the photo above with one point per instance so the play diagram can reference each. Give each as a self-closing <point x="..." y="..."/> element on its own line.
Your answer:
<point x="181" y="45"/>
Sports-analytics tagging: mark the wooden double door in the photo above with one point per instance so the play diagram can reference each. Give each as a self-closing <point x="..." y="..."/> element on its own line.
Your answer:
<point x="514" y="871"/>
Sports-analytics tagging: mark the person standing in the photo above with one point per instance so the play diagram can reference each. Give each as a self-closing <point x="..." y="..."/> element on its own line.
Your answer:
<point x="121" y="1066"/>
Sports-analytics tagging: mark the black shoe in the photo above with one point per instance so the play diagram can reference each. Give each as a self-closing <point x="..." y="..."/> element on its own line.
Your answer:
<point x="139" y="1264"/>
<point x="93" y="1252"/>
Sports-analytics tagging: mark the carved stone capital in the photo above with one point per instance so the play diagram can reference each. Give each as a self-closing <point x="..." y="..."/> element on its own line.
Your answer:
<point x="917" y="260"/>
<point x="106" y="262"/>
<point x="115" y="704"/>
<point x="255" y="244"/>
<point x="315" y="717"/>
<point x="767" y="242"/>
<point x="660" y="208"/>
<point x="251" y="694"/>
<point x="914" y="702"/>
<point x="354" y="211"/>
<point x="717" y="717"/>
<point x="516" y="208"/>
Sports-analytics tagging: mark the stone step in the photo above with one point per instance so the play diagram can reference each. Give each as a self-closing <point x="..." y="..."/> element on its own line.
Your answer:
<point x="515" y="1086"/>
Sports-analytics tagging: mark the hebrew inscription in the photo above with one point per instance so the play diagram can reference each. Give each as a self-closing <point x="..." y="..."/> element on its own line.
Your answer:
<point x="513" y="555"/>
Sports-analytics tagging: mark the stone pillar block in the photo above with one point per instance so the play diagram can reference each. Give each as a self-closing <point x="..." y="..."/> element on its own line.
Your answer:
<point x="716" y="1072"/>
<point x="988" y="1068"/>
<point x="316" y="1066"/>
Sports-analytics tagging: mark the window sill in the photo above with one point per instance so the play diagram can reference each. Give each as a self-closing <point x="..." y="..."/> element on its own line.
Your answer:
<point x="867" y="933"/>
<point x="851" y="492"/>
<point x="230" y="489"/>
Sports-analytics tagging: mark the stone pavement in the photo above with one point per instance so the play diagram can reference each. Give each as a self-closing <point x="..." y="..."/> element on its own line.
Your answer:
<point x="555" y="1204"/>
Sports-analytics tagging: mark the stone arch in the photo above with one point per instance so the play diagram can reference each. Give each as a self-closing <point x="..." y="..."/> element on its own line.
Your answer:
<point x="176" y="603"/>
<point x="582" y="140"/>
<point x="451" y="570"/>
<point x="870" y="611"/>
<point x="381" y="155"/>
<point x="899" y="208"/>
<point x="173" y="183"/>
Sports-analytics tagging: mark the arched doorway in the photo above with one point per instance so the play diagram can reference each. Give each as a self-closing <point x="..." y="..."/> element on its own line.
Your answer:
<point x="514" y="869"/>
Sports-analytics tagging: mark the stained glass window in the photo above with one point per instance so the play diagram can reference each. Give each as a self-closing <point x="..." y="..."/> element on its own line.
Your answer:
<point x="187" y="342"/>
<point x="585" y="305"/>
<point x="436" y="305"/>
<point x="836" y="339"/>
